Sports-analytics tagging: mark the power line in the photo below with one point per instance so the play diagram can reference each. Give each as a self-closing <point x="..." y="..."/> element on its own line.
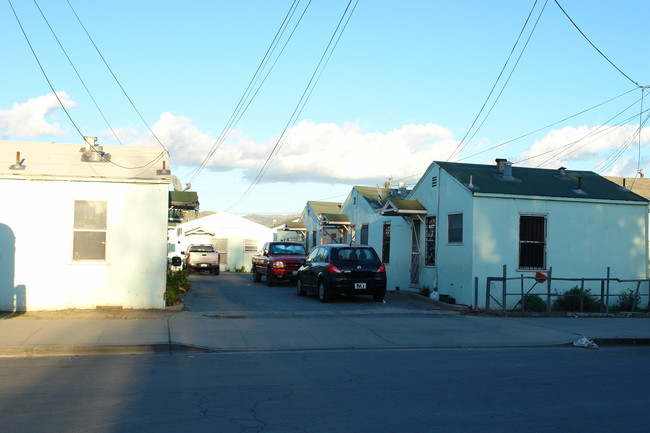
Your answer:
<point x="254" y="84"/>
<point x="303" y="99"/>
<point x="594" y="46"/>
<point x="115" y="77"/>
<point x="43" y="70"/>
<point x="77" y="72"/>
<point x="462" y="143"/>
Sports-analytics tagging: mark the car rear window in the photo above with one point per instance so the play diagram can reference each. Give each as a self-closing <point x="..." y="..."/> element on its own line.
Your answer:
<point x="288" y="249"/>
<point x="354" y="255"/>
<point x="202" y="249"/>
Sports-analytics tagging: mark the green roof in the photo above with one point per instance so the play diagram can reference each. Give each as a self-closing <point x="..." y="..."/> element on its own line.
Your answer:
<point x="336" y="218"/>
<point x="184" y="198"/>
<point x="372" y="195"/>
<point x="321" y="207"/>
<point x="539" y="182"/>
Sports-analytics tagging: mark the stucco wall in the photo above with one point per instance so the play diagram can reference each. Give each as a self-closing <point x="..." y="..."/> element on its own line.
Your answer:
<point x="39" y="215"/>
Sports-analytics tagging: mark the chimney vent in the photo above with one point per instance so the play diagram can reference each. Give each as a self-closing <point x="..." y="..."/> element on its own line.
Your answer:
<point x="507" y="170"/>
<point x="501" y="163"/>
<point x="561" y="171"/>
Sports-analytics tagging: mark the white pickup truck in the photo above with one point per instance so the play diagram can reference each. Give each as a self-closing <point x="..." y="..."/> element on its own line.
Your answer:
<point x="202" y="258"/>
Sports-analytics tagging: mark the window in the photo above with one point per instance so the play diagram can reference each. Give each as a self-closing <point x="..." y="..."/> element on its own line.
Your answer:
<point x="430" y="242"/>
<point x="532" y="242"/>
<point x="250" y="246"/>
<point x="89" y="231"/>
<point x="385" y="244"/>
<point x="455" y="228"/>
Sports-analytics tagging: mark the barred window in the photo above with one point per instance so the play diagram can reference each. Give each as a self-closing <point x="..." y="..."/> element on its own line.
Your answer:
<point x="532" y="242"/>
<point x="430" y="242"/>
<point x="385" y="244"/>
<point x="89" y="231"/>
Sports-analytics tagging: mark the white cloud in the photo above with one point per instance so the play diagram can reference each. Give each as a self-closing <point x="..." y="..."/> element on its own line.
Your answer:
<point x="313" y="152"/>
<point x="601" y="149"/>
<point x="30" y="119"/>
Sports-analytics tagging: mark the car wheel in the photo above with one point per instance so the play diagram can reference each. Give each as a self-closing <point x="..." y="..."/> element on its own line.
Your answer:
<point x="323" y="293"/>
<point x="379" y="296"/>
<point x="300" y="288"/>
<point x="257" y="277"/>
<point x="216" y="270"/>
<point x="270" y="279"/>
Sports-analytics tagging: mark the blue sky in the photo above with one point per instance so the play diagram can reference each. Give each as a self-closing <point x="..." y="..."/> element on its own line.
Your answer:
<point x="401" y="89"/>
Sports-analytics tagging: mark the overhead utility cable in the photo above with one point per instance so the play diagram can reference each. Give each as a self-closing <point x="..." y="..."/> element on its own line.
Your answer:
<point x="594" y="46"/>
<point x="303" y="99"/>
<point x="546" y="127"/>
<point x="462" y="142"/>
<point x="115" y="78"/>
<point x="43" y="70"/>
<point x="254" y="84"/>
<point x="77" y="72"/>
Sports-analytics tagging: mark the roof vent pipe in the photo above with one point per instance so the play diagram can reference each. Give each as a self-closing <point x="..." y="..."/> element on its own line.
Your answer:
<point x="507" y="171"/>
<point x="561" y="171"/>
<point x="500" y="163"/>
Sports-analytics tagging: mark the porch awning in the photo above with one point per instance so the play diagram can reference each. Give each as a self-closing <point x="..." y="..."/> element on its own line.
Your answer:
<point x="295" y="226"/>
<point x="334" y="219"/>
<point x="395" y="207"/>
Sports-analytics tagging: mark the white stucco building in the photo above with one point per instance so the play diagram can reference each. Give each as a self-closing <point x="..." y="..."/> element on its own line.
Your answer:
<point x="481" y="217"/>
<point x="235" y="238"/>
<point x="82" y="226"/>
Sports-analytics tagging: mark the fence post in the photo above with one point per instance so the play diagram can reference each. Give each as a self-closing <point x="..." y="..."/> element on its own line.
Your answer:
<point x="476" y="293"/>
<point x="521" y="285"/>
<point x="548" y="290"/>
<point x="487" y="294"/>
<point x="607" y="292"/>
<point x="503" y="296"/>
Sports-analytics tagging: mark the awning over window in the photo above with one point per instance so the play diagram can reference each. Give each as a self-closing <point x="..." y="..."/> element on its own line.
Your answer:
<point x="295" y="226"/>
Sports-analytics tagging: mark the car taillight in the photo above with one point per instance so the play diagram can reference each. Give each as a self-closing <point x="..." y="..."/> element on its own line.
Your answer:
<point x="188" y="257"/>
<point x="332" y="269"/>
<point x="382" y="268"/>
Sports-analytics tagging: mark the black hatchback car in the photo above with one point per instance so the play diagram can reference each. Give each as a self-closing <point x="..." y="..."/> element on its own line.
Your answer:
<point x="342" y="269"/>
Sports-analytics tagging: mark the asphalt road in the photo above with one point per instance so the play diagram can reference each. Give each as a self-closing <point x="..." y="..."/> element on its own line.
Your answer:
<point x="488" y="390"/>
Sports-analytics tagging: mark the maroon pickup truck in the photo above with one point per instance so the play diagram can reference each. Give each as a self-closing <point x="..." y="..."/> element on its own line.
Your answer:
<point x="279" y="261"/>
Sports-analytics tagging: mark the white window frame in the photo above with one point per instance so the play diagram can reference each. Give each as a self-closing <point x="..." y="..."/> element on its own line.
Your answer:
<point x="89" y="225"/>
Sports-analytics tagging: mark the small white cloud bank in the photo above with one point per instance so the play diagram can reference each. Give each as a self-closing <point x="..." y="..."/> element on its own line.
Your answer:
<point x="34" y="118"/>
<point x="323" y="152"/>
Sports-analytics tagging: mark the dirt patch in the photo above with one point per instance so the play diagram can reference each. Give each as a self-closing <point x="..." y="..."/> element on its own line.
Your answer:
<point x="97" y="314"/>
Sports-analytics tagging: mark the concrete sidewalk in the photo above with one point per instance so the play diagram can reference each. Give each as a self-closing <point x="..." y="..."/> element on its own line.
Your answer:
<point x="133" y="332"/>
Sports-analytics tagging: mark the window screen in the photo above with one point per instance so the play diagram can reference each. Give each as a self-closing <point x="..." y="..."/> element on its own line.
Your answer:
<point x="89" y="231"/>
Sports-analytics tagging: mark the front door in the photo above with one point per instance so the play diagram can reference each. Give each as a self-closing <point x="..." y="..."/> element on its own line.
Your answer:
<point x="415" y="253"/>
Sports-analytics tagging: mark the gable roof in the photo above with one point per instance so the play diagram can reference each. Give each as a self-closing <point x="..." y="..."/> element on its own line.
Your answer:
<point x="539" y="182"/>
<point x="375" y="196"/>
<point x="334" y="219"/>
<point x="320" y="207"/>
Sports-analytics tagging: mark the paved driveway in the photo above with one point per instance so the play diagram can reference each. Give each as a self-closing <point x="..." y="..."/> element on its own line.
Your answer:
<point x="237" y="294"/>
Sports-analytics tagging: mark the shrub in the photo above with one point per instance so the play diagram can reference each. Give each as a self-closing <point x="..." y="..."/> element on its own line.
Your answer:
<point x="627" y="300"/>
<point x="534" y="304"/>
<point x="570" y="301"/>
<point x="177" y="283"/>
<point x="425" y="291"/>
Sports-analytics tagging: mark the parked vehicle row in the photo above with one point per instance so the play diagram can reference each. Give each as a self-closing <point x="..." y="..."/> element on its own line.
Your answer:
<point x="328" y="270"/>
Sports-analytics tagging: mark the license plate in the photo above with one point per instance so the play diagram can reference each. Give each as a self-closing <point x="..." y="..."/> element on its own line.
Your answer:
<point x="204" y="265"/>
<point x="359" y="285"/>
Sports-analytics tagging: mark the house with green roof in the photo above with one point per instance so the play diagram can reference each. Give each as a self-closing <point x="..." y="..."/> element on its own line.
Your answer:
<point x="315" y="232"/>
<point x="469" y="222"/>
<point x="363" y="208"/>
